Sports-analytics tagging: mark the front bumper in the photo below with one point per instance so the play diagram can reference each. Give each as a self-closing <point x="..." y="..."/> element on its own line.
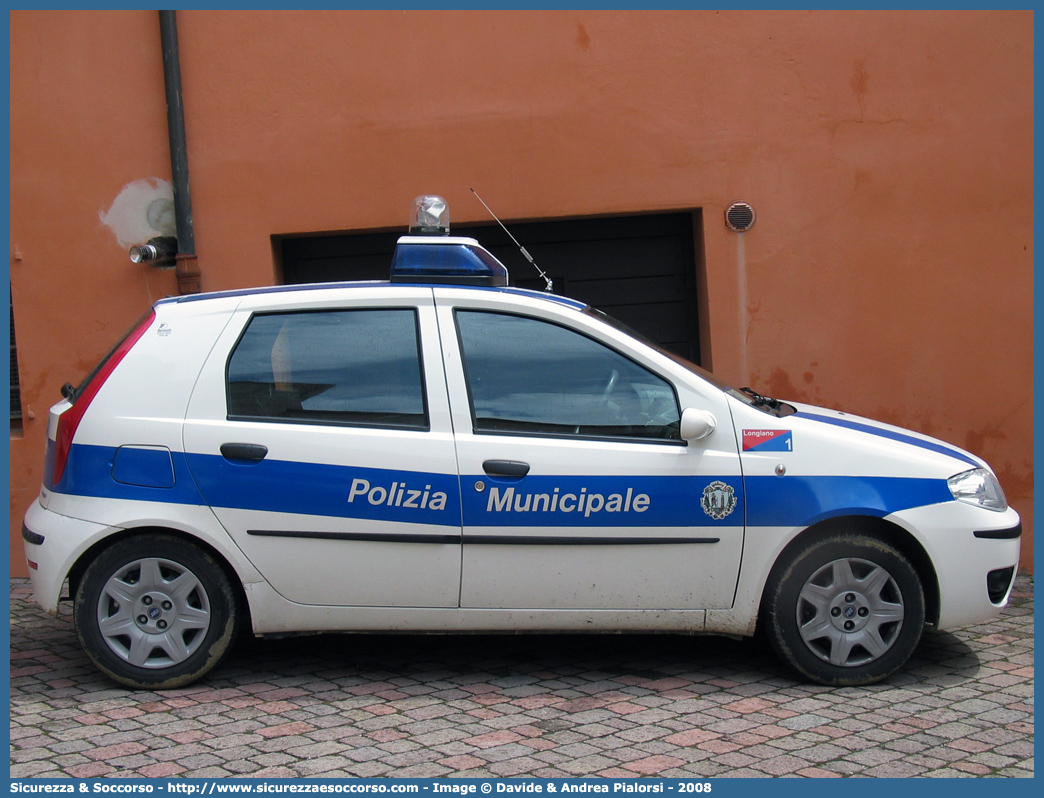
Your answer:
<point x="968" y="546"/>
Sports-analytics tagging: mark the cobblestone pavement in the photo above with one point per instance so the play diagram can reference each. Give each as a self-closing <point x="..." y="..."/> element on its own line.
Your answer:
<point x="512" y="706"/>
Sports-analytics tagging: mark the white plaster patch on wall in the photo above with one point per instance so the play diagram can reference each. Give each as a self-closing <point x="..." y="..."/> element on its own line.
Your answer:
<point x="144" y="209"/>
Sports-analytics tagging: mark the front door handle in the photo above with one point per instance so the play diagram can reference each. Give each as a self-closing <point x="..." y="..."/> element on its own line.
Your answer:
<point x="505" y="468"/>
<point x="244" y="451"/>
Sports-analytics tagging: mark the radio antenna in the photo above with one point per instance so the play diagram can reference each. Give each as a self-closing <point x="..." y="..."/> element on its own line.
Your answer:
<point x="547" y="280"/>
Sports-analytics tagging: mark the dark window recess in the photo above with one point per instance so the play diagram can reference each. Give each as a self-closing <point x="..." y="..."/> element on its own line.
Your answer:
<point x="356" y="367"/>
<point x="639" y="269"/>
<point x="16" y="396"/>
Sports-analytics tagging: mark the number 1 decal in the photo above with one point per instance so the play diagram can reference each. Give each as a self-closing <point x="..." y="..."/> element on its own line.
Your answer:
<point x="768" y="440"/>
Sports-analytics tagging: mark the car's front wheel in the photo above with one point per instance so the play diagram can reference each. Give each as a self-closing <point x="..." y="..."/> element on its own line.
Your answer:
<point x="155" y="612"/>
<point x="845" y="610"/>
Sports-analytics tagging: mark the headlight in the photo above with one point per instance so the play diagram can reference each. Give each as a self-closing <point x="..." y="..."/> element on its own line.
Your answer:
<point x="979" y="487"/>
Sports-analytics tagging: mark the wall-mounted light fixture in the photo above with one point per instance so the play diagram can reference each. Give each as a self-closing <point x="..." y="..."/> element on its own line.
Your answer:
<point x="159" y="252"/>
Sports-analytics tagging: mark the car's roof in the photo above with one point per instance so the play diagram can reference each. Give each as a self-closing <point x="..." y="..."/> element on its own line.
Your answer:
<point x="392" y="287"/>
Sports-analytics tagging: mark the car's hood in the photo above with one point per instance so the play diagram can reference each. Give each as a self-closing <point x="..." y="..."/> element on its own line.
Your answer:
<point x="816" y="440"/>
<point x="880" y="437"/>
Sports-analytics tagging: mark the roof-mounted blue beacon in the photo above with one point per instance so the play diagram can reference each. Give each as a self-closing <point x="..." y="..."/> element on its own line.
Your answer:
<point x="429" y="254"/>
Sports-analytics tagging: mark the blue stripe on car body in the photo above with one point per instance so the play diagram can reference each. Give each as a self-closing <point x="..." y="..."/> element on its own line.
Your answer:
<point x="801" y="501"/>
<point x="435" y="499"/>
<point x="336" y="491"/>
<point x="88" y="472"/>
<point x="893" y="435"/>
<point x="596" y="501"/>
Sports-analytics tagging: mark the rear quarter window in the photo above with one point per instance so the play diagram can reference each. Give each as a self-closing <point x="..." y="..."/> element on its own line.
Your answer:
<point x="355" y="367"/>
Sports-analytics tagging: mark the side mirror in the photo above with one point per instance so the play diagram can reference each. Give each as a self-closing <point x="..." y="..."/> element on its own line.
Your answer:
<point x="696" y="424"/>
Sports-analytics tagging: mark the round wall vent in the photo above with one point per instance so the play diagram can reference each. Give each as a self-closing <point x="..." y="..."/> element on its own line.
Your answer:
<point x="739" y="217"/>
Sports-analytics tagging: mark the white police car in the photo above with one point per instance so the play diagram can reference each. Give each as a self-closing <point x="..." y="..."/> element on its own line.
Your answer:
<point x="444" y="453"/>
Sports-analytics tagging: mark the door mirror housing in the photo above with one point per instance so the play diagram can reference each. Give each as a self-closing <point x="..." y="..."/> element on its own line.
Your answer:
<point x="697" y="424"/>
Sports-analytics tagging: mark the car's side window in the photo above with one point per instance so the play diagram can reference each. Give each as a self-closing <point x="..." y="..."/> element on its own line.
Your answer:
<point x="359" y="367"/>
<point x="531" y="376"/>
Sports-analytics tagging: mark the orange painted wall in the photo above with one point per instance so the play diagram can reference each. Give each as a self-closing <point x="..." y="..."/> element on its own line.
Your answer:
<point x="889" y="156"/>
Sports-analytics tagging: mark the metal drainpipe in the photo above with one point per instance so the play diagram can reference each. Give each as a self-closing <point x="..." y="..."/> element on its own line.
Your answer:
<point x="187" y="264"/>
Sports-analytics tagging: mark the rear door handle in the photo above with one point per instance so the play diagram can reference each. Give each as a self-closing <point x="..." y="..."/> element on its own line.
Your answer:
<point x="505" y="468"/>
<point x="244" y="451"/>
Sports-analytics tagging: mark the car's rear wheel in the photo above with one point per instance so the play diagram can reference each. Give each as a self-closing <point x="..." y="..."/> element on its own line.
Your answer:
<point x="155" y="611"/>
<point x="845" y="610"/>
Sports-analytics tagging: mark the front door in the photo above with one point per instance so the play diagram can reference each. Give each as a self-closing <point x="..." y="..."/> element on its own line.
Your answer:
<point x="577" y="490"/>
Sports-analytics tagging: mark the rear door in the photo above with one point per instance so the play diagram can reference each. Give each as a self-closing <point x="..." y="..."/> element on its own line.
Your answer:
<point x="577" y="491"/>
<point x="319" y="432"/>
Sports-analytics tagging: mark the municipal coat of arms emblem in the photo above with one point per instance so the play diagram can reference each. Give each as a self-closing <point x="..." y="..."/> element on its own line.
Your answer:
<point x="719" y="500"/>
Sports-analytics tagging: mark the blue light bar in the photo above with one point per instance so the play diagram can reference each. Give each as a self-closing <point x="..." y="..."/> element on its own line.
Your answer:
<point x="445" y="261"/>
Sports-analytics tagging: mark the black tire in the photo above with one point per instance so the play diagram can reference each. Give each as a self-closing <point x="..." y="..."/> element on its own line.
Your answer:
<point x="844" y="610"/>
<point x="155" y="612"/>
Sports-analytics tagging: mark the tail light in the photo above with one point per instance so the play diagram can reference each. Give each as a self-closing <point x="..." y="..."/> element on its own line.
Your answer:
<point x="81" y="398"/>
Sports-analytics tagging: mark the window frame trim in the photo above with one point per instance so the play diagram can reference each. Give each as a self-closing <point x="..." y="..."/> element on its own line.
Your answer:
<point x="419" y="338"/>
<point x="558" y="435"/>
<point x="17" y="416"/>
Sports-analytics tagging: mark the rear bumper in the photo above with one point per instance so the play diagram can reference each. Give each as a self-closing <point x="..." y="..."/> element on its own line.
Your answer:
<point x="52" y="544"/>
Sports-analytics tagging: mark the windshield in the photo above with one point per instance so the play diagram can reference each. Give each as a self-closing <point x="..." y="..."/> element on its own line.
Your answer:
<point x="745" y="395"/>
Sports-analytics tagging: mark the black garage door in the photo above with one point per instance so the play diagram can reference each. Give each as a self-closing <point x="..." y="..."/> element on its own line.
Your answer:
<point x="639" y="269"/>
